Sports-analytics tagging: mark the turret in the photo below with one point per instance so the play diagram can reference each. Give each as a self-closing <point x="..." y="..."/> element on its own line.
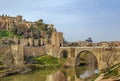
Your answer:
<point x="19" y="18"/>
<point x="57" y="39"/>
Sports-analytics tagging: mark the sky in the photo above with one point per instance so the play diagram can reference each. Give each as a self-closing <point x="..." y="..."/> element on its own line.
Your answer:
<point x="77" y="19"/>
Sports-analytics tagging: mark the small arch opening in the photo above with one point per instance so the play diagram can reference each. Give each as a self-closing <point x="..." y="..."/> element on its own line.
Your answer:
<point x="64" y="54"/>
<point x="60" y="44"/>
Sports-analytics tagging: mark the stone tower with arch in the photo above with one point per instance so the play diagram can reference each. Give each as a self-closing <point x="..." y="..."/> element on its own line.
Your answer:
<point x="57" y="39"/>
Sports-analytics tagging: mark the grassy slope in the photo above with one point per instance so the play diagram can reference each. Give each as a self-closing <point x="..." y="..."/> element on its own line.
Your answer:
<point x="48" y="60"/>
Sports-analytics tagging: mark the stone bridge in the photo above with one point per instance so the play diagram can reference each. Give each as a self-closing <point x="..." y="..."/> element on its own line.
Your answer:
<point x="74" y="52"/>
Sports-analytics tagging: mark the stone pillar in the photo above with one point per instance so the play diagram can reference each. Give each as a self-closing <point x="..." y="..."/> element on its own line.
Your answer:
<point x="31" y="41"/>
<point x="70" y="62"/>
<point x="16" y="40"/>
<point x="18" y="54"/>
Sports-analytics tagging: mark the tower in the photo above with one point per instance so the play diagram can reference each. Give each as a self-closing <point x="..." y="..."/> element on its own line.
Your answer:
<point x="19" y="18"/>
<point x="57" y="39"/>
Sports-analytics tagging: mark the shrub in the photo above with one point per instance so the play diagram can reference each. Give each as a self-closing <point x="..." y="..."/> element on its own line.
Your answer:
<point x="6" y="33"/>
<point x="48" y="60"/>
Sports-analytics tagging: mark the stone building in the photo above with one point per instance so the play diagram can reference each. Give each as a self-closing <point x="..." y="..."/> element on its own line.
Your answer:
<point x="103" y="44"/>
<point x="6" y="21"/>
<point x="57" y="39"/>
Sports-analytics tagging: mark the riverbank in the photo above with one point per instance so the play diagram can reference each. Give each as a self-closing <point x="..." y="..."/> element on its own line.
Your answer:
<point x="42" y="62"/>
<point x="36" y="75"/>
<point x="12" y="71"/>
<point x="110" y="75"/>
<point x="22" y="70"/>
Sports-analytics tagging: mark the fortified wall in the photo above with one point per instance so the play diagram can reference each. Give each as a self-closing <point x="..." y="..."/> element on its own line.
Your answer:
<point x="36" y="47"/>
<point x="18" y="54"/>
<point x="3" y="50"/>
<point x="32" y="47"/>
<point x="34" y="51"/>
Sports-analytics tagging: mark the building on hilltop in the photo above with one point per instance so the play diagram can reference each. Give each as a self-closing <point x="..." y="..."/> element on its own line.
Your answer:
<point x="46" y="33"/>
<point x="6" y="21"/>
<point x="18" y="18"/>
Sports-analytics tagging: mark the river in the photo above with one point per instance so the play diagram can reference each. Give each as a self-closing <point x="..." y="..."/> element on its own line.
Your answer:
<point x="62" y="74"/>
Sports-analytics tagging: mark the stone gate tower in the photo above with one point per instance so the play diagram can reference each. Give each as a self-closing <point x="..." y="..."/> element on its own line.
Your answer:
<point x="57" y="39"/>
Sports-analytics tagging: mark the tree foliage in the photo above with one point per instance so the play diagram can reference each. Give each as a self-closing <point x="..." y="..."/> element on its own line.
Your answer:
<point x="6" y="33"/>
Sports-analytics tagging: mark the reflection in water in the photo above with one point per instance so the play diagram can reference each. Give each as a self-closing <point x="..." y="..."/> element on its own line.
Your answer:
<point x="86" y="74"/>
<point x="52" y="75"/>
<point x="57" y="76"/>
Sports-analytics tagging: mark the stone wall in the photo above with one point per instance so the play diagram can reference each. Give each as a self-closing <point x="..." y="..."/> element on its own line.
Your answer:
<point x="23" y="41"/>
<point x="17" y="51"/>
<point x="12" y="55"/>
<point x="34" y="51"/>
<point x="5" y="56"/>
<point x="3" y="50"/>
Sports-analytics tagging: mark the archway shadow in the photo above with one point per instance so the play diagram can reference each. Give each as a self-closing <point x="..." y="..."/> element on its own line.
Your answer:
<point x="64" y="54"/>
<point x="86" y="64"/>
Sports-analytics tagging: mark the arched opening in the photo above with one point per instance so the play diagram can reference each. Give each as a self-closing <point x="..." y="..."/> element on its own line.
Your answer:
<point x="86" y="64"/>
<point x="64" y="54"/>
<point x="60" y="44"/>
<point x="86" y="58"/>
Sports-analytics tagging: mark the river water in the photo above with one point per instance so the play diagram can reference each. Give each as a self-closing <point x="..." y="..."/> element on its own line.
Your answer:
<point x="62" y="74"/>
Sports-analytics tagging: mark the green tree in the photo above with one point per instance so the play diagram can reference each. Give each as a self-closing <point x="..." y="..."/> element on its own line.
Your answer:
<point x="39" y="22"/>
<point x="6" y="33"/>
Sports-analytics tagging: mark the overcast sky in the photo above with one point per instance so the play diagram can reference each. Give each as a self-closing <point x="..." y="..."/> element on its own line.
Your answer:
<point x="77" y="19"/>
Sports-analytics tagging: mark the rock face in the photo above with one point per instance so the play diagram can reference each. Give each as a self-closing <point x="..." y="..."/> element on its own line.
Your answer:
<point x="6" y="57"/>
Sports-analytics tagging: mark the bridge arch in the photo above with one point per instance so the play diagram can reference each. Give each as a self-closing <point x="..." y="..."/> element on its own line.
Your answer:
<point x="64" y="54"/>
<point x="86" y="57"/>
<point x="88" y="63"/>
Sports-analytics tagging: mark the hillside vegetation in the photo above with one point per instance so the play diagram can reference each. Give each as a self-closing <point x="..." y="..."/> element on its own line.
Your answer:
<point x="6" y="33"/>
<point x="48" y="60"/>
<point x="38" y="30"/>
<point x="26" y="29"/>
